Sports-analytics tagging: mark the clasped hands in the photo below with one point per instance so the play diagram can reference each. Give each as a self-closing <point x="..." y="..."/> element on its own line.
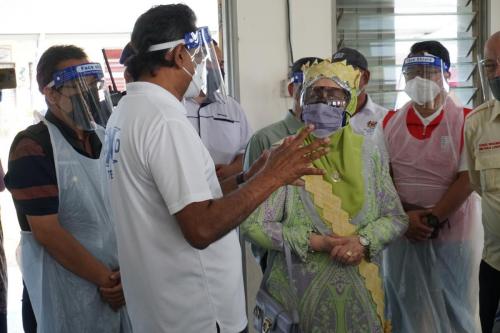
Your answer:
<point x="418" y="228"/>
<point x="111" y="291"/>
<point x="347" y="250"/>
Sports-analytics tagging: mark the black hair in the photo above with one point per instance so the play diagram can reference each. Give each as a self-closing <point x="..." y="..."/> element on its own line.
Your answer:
<point x="433" y="47"/>
<point x="160" y="24"/>
<point x="127" y="52"/>
<point x="51" y="58"/>
<point x="297" y="65"/>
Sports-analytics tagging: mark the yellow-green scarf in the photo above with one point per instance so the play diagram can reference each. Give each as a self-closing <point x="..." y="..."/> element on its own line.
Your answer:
<point x="345" y="159"/>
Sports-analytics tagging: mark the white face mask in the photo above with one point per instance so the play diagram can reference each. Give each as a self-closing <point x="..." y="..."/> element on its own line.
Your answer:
<point x="197" y="83"/>
<point x="422" y="91"/>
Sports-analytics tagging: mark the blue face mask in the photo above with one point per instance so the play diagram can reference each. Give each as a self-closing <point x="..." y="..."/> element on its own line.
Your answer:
<point x="325" y="118"/>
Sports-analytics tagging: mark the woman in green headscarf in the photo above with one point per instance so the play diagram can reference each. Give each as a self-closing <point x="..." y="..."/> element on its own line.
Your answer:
<point x="337" y="224"/>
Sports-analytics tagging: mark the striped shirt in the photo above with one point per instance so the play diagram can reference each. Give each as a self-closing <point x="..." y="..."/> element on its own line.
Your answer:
<point x="31" y="177"/>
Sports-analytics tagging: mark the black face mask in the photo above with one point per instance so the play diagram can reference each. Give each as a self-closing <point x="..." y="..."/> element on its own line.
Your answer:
<point x="495" y="87"/>
<point x="213" y="82"/>
<point x="84" y="110"/>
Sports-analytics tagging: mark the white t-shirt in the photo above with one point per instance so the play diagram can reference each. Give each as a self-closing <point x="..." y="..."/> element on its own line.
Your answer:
<point x="223" y="128"/>
<point x="365" y="121"/>
<point x="157" y="165"/>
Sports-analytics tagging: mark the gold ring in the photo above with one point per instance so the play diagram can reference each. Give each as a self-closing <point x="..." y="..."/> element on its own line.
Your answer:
<point x="349" y="253"/>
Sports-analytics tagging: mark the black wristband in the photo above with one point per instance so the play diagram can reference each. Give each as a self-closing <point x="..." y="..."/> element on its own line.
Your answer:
<point x="240" y="178"/>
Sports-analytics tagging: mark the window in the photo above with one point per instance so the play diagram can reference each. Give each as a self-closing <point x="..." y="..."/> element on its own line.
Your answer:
<point x="384" y="31"/>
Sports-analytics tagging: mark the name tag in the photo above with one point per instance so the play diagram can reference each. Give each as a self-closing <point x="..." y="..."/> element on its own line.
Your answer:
<point x="489" y="146"/>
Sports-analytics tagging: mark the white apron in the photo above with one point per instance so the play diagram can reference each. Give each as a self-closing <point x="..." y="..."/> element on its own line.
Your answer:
<point x="432" y="286"/>
<point x="63" y="302"/>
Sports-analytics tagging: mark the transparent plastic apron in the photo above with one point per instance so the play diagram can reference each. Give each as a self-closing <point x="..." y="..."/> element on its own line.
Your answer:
<point x="62" y="301"/>
<point x="432" y="286"/>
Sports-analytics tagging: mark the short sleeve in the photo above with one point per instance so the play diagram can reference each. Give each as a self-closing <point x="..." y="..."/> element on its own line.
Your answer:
<point x="2" y="175"/>
<point x="32" y="180"/>
<point x="462" y="166"/>
<point x="180" y="165"/>
<point x="245" y="131"/>
<point x="253" y="151"/>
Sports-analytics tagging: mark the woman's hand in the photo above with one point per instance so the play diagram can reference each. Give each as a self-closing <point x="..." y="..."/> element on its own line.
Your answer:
<point x="320" y="243"/>
<point x="347" y="250"/>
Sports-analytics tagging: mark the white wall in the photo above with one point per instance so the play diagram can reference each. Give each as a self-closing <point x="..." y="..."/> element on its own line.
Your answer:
<point x="263" y="52"/>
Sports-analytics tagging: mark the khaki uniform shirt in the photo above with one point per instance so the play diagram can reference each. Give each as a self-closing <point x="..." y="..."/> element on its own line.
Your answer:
<point x="482" y="149"/>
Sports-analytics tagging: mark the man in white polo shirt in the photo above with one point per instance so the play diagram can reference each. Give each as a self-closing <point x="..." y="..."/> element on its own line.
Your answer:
<point x="179" y="254"/>
<point x="223" y="127"/>
<point x="368" y="114"/>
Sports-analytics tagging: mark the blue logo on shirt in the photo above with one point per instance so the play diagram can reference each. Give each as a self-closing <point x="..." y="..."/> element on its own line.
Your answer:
<point x="112" y="144"/>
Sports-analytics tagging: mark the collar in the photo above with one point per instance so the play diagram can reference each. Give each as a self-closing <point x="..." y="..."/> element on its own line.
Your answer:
<point x="148" y="88"/>
<point x="204" y="103"/>
<point x="70" y="135"/>
<point x="495" y="109"/>
<point x="67" y="131"/>
<point x="369" y="107"/>
<point x="414" y="118"/>
<point x="292" y="123"/>
<point x="429" y="119"/>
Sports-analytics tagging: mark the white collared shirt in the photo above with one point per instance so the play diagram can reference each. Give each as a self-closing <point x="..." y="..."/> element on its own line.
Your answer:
<point x="158" y="165"/>
<point x="365" y="120"/>
<point x="223" y="128"/>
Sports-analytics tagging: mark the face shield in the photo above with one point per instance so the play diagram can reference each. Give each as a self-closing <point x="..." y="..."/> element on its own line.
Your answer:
<point x="489" y="72"/>
<point x="423" y="79"/>
<point x="207" y="77"/>
<point x="324" y="104"/>
<point x="82" y="95"/>
<point x="296" y="81"/>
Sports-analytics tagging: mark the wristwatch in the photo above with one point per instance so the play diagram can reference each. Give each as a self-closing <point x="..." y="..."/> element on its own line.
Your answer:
<point x="240" y="178"/>
<point x="433" y="221"/>
<point x="364" y="241"/>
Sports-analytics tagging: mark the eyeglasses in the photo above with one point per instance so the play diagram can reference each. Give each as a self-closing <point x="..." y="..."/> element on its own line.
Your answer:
<point x="74" y="89"/>
<point x="76" y="86"/>
<point x="490" y="66"/>
<point x="423" y="72"/>
<point x="322" y="94"/>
